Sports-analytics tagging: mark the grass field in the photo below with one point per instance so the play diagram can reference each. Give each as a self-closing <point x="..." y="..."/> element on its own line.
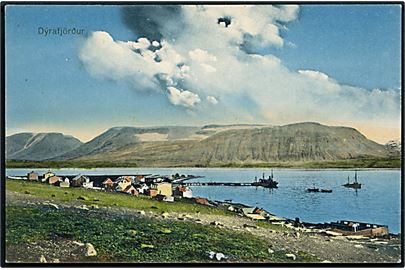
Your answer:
<point x="100" y="198"/>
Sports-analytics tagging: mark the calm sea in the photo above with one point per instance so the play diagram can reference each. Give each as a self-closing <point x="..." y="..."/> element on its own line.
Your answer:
<point x="378" y="201"/>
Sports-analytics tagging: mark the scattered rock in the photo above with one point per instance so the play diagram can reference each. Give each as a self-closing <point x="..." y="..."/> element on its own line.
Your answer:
<point x="220" y="256"/>
<point x="270" y="251"/>
<point x="82" y="207"/>
<point x="94" y="206"/>
<point x="216" y="223"/>
<point x="358" y="246"/>
<point x="84" y="198"/>
<point x="42" y="259"/>
<point x="166" y="231"/>
<point x="165" y="215"/>
<point x="188" y="216"/>
<point x="332" y="233"/>
<point x="249" y="226"/>
<point x="147" y="246"/>
<point x="326" y="261"/>
<point x="132" y="232"/>
<point x="90" y="250"/>
<point x="297" y="235"/>
<point x="78" y="243"/>
<point x="355" y="237"/>
<point x="56" y="261"/>
<point x="141" y="212"/>
<point x="231" y="208"/>
<point x="53" y="205"/>
<point x="291" y="256"/>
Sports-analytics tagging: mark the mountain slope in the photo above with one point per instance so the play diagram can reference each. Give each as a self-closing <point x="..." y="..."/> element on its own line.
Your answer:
<point x="295" y="142"/>
<point x="119" y="137"/>
<point x="39" y="146"/>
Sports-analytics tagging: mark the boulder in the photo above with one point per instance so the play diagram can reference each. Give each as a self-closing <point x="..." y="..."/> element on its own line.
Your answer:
<point x="90" y="250"/>
<point x="332" y="233"/>
<point x="291" y="256"/>
<point x="78" y="243"/>
<point x="165" y="215"/>
<point x="42" y="259"/>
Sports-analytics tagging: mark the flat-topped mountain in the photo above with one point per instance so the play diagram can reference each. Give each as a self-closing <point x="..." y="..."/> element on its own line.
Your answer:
<point x="253" y="144"/>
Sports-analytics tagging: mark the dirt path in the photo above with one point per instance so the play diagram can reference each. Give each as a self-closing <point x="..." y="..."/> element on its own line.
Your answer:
<point x="327" y="248"/>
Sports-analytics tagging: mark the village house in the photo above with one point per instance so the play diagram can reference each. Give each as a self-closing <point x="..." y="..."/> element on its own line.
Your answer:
<point x="108" y="184"/>
<point x="79" y="180"/>
<point x="131" y="190"/>
<point x="65" y="183"/>
<point x="152" y="192"/>
<point x="140" y="179"/>
<point x="88" y="184"/>
<point x="32" y="176"/>
<point x="163" y="188"/>
<point x="52" y="180"/>
<point x="47" y="175"/>
<point x="143" y="189"/>
<point x="123" y="182"/>
<point x="164" y="198"/>
<point x="182" y="191"/>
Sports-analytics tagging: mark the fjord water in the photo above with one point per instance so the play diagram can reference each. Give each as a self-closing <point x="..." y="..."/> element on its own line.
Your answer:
<point x="378" y="201"/>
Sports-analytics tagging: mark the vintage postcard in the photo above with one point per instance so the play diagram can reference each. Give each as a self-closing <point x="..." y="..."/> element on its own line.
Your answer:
<point x="202" y="133"/>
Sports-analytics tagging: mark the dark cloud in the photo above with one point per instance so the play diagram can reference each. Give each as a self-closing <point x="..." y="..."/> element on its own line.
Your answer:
<point x="153" y="21"/>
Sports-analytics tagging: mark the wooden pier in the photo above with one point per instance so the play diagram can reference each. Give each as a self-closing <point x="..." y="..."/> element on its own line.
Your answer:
<point x="234" y="184"/>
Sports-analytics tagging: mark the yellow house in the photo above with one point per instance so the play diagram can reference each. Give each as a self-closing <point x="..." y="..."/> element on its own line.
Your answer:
<point x="122" y="185"/>
<point x="164" y="189"/>
<point x="47" y="175"/>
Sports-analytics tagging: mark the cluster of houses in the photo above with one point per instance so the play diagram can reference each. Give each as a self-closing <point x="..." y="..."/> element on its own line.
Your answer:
<point x="160" y="188"/>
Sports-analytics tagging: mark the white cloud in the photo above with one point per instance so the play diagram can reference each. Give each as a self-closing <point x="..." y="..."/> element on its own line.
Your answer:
<point x="210" y="59"/>
<point x="317" y="75"/>
<point x="201" y="56"/>
<point x="212" y="100"/>
<point x="183" y="97"/>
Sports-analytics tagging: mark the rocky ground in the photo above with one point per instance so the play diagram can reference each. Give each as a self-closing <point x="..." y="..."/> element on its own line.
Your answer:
<point x="326" y="246"/>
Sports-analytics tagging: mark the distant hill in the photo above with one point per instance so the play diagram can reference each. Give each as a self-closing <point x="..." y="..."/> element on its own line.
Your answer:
<point x="39" y="146"/>
<point x="295" y="142"/>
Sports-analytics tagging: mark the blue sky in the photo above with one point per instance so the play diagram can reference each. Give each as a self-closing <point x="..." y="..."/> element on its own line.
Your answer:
<point x="49" y="87"/>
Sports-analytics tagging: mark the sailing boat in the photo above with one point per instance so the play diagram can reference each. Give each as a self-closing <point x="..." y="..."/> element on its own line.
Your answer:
<point x="355" y="184"/>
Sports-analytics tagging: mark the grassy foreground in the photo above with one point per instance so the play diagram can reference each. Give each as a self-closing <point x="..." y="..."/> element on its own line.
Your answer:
<point x="99" y="198"/>
<point x="393" y="162"/>
<point x="32" y="228"/>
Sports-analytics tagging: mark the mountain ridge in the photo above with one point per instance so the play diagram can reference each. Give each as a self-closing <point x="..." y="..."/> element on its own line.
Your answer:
<point x="222" y="144"/>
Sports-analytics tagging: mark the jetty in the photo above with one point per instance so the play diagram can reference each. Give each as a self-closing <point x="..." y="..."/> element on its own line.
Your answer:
<point x="235" y="184"/>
